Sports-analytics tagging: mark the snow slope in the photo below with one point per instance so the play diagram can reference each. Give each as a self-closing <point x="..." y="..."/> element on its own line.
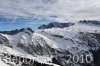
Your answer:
<point x="43" y="45"/>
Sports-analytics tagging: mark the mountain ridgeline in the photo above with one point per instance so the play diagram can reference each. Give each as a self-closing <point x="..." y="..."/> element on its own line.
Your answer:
<point x="55" y="25"/>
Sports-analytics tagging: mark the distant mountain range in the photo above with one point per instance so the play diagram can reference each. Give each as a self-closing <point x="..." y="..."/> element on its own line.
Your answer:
<point x="91" y="22"/>
<point x="55" y="25"/>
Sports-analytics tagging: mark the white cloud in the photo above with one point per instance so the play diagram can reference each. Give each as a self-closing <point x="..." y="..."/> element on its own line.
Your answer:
<point x="64" y="9"/>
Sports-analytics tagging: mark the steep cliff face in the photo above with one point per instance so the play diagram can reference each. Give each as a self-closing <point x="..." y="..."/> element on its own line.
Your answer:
<point x="51" y="46"/>
<point x="4" y="40"/>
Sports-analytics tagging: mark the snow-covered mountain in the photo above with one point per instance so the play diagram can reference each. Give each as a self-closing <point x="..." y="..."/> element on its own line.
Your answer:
<point x="50" y="47"/>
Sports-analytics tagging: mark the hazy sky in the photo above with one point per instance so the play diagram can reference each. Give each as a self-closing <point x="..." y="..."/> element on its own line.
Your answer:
<point x="43" y="11"/>
<point x="64" y="9"/>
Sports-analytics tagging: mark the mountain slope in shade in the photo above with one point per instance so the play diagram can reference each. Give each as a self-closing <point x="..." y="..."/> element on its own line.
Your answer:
<point x="50" y="46"/>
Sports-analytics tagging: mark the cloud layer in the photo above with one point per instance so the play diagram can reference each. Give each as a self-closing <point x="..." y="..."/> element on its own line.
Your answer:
<point x="63" y="9"/>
